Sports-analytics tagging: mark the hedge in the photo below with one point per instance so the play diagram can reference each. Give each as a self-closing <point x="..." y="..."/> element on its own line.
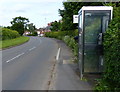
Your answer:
<point x="33" y="34"/>
<point x="68" y="38"/>
<point x="60" y="34"/>
<point x="9" y="34"/>
<point x="72" y="44"/>
<point x="111" y="78"/>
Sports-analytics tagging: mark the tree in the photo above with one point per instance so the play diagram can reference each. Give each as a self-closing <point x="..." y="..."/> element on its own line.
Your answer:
<point x="9" y="27"/>
<point x="31" y="27"/>
<point x="19" y="24"/>
<point x="70" y="9"/>
<point x="55" y="26"/>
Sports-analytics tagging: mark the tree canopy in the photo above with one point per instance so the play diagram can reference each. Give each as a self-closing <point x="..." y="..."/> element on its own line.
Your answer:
<point x="19" y="24"/>
<point x="55" y="26"/>
<point x="70" y="9"/>
<point x="31" y="27"/>
<point x="19" y="20"/>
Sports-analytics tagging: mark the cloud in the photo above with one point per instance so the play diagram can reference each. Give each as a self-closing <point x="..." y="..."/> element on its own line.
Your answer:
<point x="35" y="10"/>
<point x="44" y="13"/>
<point x="14" y="7"/>
<point x="21" y="11"/>
<point x="21" y="8"/>
<point x="31" y="0"/>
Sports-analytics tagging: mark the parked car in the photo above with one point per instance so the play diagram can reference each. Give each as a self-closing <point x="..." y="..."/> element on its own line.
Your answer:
<point x="41" y="35"/>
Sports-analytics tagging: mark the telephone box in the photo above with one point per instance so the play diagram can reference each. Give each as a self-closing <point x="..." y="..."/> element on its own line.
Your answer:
<point x="93" y="22"/>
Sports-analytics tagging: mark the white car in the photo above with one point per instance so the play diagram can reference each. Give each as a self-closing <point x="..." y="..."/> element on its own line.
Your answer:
<point x="41" y="35"/>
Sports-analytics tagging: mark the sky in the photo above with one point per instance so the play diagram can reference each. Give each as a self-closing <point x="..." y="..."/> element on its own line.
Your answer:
<point x="39" y="12"/>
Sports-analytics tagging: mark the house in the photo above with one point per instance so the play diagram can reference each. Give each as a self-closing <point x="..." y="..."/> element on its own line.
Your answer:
<point x="26" y="33"/>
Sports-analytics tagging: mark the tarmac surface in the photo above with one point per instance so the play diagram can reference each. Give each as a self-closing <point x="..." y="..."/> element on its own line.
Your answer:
<point x="40" y="64"/>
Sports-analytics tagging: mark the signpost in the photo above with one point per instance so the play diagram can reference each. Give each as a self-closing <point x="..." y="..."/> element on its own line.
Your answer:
<point x="75" y="18"/>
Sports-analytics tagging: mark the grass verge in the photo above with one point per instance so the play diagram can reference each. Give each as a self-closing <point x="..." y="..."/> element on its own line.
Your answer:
<point x="13" y="42"/>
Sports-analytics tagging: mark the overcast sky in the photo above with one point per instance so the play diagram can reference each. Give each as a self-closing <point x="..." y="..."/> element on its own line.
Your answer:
<point x="39" y="12"/>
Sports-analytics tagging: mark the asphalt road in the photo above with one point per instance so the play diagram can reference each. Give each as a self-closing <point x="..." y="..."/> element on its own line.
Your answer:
<point x="28" y="66"/>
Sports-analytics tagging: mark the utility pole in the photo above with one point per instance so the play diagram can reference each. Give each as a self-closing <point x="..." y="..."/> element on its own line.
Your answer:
<point x="45" y="20"/>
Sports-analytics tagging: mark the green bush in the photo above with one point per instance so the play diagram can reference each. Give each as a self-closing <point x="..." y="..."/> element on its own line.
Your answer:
<point x="102" y="85"/>
<point x="33" y="34"/>
<point x="67" y="37"/>
<point x="9" y="34"/>
<point x="111" y="78"/>
<point x="60" y="34"/>
<point x="0" y="33"/>
<point x="72" y="44"/>
<point x="112" y="53"/>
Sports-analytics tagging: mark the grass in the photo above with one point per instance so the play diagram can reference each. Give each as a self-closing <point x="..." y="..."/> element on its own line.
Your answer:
<point x="13" y="42"/>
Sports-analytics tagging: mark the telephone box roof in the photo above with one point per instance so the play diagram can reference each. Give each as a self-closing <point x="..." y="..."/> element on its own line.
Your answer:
<point x="96" y="8"/>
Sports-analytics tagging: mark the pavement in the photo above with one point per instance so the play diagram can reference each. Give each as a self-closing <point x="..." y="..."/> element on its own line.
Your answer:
<point x="64" y="74"/>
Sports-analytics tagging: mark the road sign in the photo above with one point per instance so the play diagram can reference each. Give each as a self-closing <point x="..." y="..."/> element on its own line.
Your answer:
<point x="75" y="18"/>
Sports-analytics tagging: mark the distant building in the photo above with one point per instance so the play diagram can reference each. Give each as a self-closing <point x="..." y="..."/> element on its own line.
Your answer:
<point x="60" y="21"/>
<point x="26" y="33"/>
<point x="40" y="31"/>
<point x="49" y="26"/>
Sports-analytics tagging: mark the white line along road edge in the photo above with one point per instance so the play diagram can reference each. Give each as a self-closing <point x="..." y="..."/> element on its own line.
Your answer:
<point x="15" y="57"/>
<point x="58" y="54"/>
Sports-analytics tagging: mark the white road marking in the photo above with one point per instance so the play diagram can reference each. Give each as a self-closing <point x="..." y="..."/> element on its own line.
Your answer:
<point x="32" y="48"/>
<point x="40" y="41"/>
<point x="58" y="53"/>
<point x="15" y="57"/>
